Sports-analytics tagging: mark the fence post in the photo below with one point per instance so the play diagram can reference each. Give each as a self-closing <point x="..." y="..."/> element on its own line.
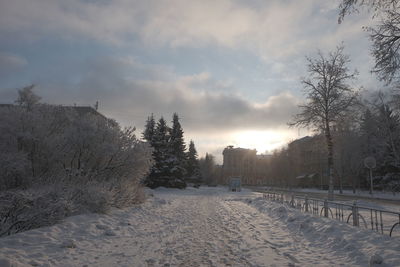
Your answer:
<point x="306" y="203"/>
<point x="355" y="214"/>
<point x="282" y="198"/>
<point x="292" y="201"/>
<point x="326" y="207"/>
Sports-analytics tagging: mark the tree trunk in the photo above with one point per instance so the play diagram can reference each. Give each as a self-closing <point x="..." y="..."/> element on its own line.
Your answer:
<point x="330" y="159"/>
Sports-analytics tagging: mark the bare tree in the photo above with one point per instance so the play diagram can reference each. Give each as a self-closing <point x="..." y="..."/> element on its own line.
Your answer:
<point x="385" y="47"/>
<point x="376" y="6"/>
<point x="328" y="95"/>
<point x="385" y="36"/>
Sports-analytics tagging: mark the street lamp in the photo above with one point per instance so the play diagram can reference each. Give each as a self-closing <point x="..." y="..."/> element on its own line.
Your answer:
<point x="370" y="163"/>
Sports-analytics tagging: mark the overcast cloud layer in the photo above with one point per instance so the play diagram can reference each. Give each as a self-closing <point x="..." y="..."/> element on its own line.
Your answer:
<point x="225" y="66"/>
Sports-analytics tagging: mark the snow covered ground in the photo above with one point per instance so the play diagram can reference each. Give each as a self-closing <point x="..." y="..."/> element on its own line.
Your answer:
<point x="200" y="227"/>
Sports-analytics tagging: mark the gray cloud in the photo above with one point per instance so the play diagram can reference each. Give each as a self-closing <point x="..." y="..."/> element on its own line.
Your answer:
<point x="129" y="91"/>
<point x="197" y="99"/>
<point x="273" y="29"/>
<point x="279" y="32"/>
<point x="11" y="62"/>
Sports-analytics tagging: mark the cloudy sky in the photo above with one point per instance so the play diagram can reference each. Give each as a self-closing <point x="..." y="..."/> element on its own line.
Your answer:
<point x="229" y="68"/>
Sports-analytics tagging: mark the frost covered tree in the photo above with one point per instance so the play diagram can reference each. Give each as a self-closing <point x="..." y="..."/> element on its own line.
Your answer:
<point x="388" y="134"/>
<point x="380" y="134"/>
<point x="376" y="6"/>
<point x="192" y="165"/>
<point x="385" y="36"/>
<point x="389" y="125"/>
<point x="14" y="164"/>
<point x="27" y="98"/>
<point x="329" y="96"/>
<point x="56" y="161"/>
<point x="177" y="149"/>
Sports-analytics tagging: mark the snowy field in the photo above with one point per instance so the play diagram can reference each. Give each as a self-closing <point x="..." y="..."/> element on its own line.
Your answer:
<point x="200" y="227"/>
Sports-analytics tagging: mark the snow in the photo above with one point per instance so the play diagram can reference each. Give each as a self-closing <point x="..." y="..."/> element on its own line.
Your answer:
<point x="200" y="227"/>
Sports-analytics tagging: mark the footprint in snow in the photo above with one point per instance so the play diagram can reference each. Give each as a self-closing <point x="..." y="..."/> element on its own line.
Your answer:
<point x="70" y="243"/>
<point x="101" y="226"/>
<point x="109" y="232"/>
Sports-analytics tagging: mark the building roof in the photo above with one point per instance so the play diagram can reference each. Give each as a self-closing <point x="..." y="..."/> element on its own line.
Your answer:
<point x="231" y="149"/>
<point x="81" y="110"/>
<point x="301" y="140"/>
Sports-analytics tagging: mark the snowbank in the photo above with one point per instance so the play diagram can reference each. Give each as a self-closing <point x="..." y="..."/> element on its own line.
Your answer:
<point x="346" y="241"/>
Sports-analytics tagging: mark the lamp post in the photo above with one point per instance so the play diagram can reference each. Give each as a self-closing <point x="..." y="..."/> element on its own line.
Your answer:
<point x="370" y="163"/>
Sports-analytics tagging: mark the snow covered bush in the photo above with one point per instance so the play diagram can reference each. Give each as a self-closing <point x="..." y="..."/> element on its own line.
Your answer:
<point x="14" y="162"/>
<point x="56" y="161"/>
<point x="27" y="209"/>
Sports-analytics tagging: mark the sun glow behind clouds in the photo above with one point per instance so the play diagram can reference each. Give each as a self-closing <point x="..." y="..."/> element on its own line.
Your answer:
<point x="263" y="141"/>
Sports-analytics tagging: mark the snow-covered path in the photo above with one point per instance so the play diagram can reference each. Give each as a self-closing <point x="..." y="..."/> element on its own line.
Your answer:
<point x="196" y="227"/>
<point x="208" y="230"/>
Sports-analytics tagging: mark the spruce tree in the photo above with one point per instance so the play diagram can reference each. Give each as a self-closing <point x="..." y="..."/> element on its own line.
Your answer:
<point x="148" y="135"/>
<point x="149" y="129"/>
<point x="177" y="149"/>
<point x="160" y="172"/>
<point x="192" y="166"/>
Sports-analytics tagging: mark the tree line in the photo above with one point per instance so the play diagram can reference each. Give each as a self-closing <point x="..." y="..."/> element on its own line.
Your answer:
<point x="352" y="128"/>
<point x="173" y="165"/>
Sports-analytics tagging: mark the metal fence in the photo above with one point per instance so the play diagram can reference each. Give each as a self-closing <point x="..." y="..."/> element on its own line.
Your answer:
<point x="379" y="220"/>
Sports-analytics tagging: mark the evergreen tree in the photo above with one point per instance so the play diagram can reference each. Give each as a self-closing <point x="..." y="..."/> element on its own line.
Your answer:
<point x="149" y="129"/>
<point x="160" y="172"/>
<point x="368" y="133"/>
<point x="161" y="147"/>
<point x="177" y="149"/>
<point x="380" y="137"/>
<point x="388" y="132"/>
<point x="192" y="166"/>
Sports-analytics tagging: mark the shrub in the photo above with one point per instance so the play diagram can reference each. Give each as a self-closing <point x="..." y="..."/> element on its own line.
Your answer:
<point x="56" y="161"/>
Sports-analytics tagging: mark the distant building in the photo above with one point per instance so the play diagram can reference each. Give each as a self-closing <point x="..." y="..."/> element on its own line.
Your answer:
<point x="80" y="110"/>
<point x="309" y="161"/>
<point x="239" y="162"/>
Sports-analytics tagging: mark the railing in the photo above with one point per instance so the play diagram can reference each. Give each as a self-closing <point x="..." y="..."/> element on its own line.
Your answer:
<point x="379" y="220"/>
